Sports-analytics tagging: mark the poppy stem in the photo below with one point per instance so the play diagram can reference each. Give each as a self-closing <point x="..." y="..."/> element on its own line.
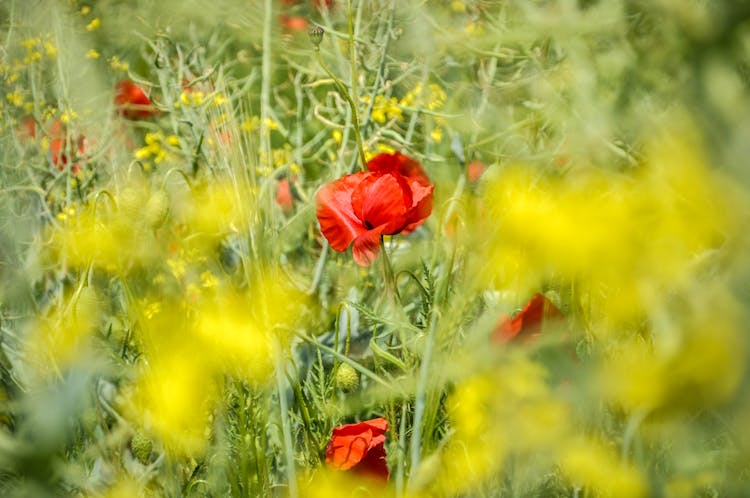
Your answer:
<point x="345" y="93"/>
<point x="354" y="97"/>
<point x="415" y="446"/>
<point x="390" y="279"/>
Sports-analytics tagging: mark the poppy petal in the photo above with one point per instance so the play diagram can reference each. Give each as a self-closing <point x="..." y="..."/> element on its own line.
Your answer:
<point x="398" y="163"/>
<point x="367" y="246"/>
<point x="284" y="196"/>
<point x="374" y="463"/>
<point x="528" y="321"/>
<point x="379" y="199"/>
<point x="339" y="224"/>
<point x="359" y="447"/>
<point x="346" y="451"/>
<point x="378" y="425"/>
<point x="422" y="205"/>
<point x="131" y="101"/>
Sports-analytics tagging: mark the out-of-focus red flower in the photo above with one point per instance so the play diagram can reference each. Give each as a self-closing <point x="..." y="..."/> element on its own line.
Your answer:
<point x="319" y="4"/>
<point x="60" y="149"/>
<point x="284" y="196"/>
<point x="63" y="148"/>
<point x="360" y="448"/>
<point x="474" y="171"/>
<point x="394" y="196"/>
<point x="292" y="24"/>
<point x="528" y="322"/>
<point x="26" y="129"/>
<point x="132" y="102"/>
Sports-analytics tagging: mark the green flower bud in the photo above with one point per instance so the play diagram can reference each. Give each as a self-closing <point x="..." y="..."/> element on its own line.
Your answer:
<point x="346" y="378"/>
<point x="316" y="34"/>
<point x="156" y="209"/>
<point x="130" y="203"/>
<point x="141" y="446"/>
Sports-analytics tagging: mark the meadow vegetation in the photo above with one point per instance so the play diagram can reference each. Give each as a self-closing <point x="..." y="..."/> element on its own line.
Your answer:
<point x="315" y="248"/>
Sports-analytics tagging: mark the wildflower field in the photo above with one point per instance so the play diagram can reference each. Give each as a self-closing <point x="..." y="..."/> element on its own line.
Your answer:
<point x="387" y="248"/>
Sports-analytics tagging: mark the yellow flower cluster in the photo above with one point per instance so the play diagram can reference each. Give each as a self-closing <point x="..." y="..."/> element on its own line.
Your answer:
<point x="280" y="157"/>
<point x="511" y="414"/>
<point x="188" y="313"/>
<point x="94" y="24"/>
<point x="625" y="239"/>
<point x="384" y="109"/>
<point x="433" y="97"/>
<point x="157" y="147"/>
<point x="34" y="48"/>
<point x="225" y="333"/>
<point x="116" y="64"/>
<point x="97" y="234"/>
<point x="60" y="338"/>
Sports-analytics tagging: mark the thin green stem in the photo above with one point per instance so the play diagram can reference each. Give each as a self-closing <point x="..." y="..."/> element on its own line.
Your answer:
<point x="364" y="371"/>
<point x="265" y="89"/>
<point x="345" y="93"/>
<point x="381" y="74"/>
<point x="390" y="280"/>
<point x="291" y="471"/>
<point x="401" y="452"/>
<point x="353" y="70"/>
<point x="319" y="267"/>
<point x="415" y="447"/>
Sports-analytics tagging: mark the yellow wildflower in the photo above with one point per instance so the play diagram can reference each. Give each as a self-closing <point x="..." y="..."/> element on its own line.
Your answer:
<point x="94" y="24"/>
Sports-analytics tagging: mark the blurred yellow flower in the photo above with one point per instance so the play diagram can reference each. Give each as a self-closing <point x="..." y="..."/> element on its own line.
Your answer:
<point x="94" y="24"/>
<point x="59" y="339"/>
<point x="326" y="482"/>
<point x="594" y="466"/>
<point x="695" y="359"/>
<point x="623" y="238"/>
<point x="496" y="415"/>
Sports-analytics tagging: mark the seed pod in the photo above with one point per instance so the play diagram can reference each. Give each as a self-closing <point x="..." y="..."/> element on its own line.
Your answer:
<point x="130" y="203"/>
<point x="346" y="378"/>
<point x="156" y="209"/>
<point x="141" y="446"/>
<point x="316" y="33"/>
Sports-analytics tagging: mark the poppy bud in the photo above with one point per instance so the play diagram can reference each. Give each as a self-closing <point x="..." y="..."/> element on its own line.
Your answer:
<point x="316" y="33"/>
<point x="141" y="446"/>
<point x="130" y="203"/>
<point x="156" y="210"/>
<point x="346" y="379"/>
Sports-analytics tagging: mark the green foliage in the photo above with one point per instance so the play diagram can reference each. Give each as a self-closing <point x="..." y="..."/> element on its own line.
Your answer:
<point x="173" y="322"/>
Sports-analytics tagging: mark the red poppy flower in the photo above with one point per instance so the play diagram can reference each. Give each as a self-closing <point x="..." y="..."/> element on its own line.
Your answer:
<point x="284" y="195"/>
<point x="394" y="196"/>
<point x="62" y="146"/>
<point x="360" y="448"/>
<point x="131" y="101"/>
<point x="60" y="149"/>
<point x="26" y="129"/>
<point x="319" y="4"/>
<point x="292" y="24"/>
<point x="528" y="322"/>
<point x="474" y="171"/>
